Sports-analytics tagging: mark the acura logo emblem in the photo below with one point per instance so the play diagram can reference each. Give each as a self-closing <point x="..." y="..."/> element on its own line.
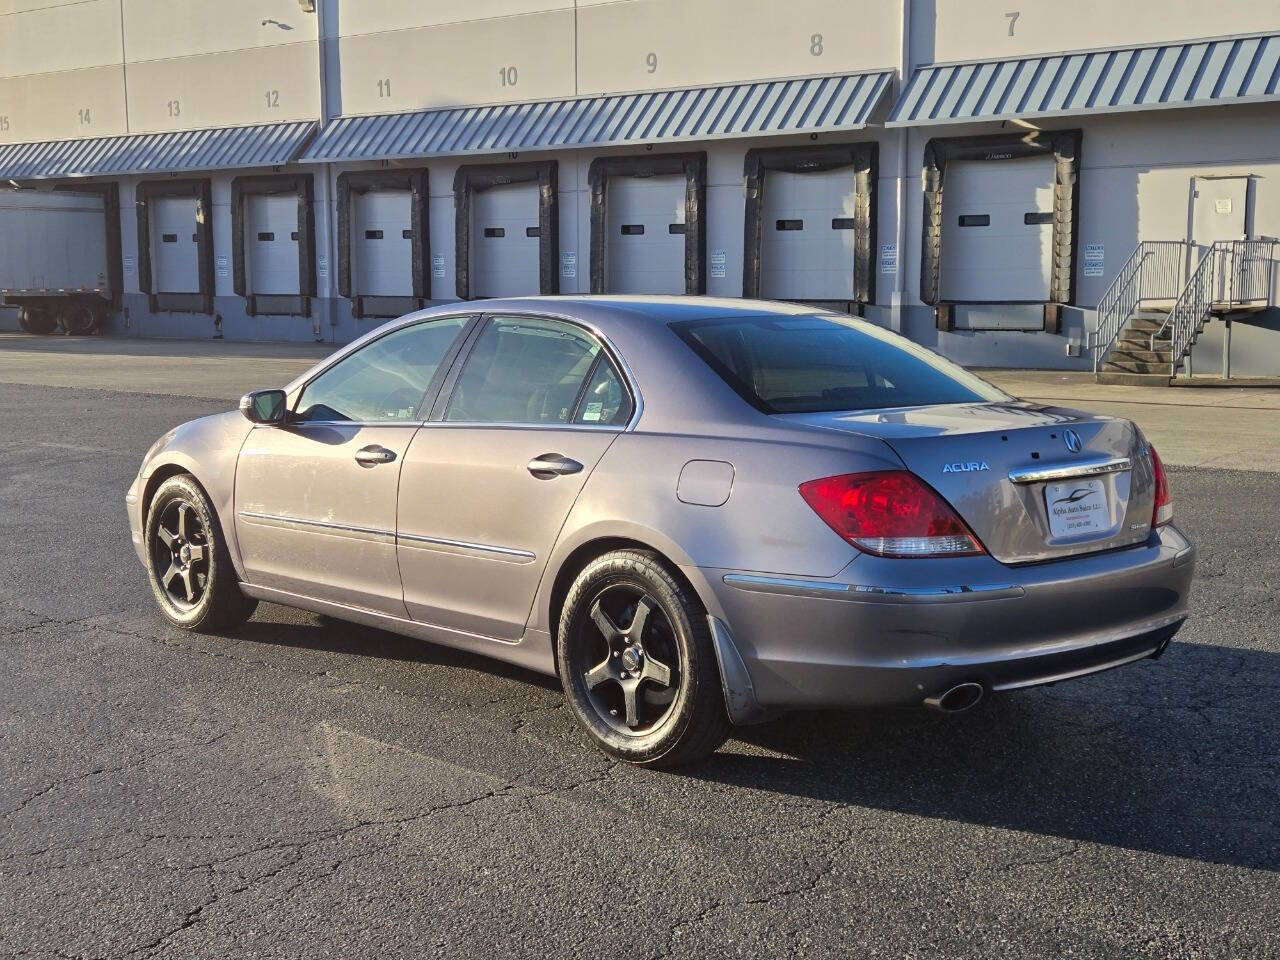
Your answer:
<point x="1072" y="440"/>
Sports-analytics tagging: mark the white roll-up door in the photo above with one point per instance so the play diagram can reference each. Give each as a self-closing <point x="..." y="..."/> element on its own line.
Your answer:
<point x="505" y="241"/>
<point x="645" y="249"/>
<point x="807" y="235"/>
<point x="382" y="243"/>
<point x="272" y="244"/>
<point x="997" y="231"/>
<point x="174" y="250"/>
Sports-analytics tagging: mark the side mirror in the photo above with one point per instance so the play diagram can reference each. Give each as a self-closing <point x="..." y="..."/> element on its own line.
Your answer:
<point x="264" y="406"/>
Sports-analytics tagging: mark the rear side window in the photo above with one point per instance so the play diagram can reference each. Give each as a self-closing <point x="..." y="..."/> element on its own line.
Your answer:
<point x="537" y="371"/>
<point x="811" y="364"/>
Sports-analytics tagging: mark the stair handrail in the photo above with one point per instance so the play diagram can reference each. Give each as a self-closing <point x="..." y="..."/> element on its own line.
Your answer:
<point x="1225" y="260"/>
<point x="1152" y="272"/>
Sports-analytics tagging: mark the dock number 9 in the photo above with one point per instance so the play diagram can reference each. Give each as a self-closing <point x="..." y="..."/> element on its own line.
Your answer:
<point x="651" y="63"/>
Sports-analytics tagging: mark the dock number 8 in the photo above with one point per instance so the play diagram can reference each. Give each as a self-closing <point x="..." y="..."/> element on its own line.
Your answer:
<point x="815" y="45"/>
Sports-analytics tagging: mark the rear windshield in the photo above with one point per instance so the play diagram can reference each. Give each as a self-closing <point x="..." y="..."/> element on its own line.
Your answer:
<point x="810" y="364"/>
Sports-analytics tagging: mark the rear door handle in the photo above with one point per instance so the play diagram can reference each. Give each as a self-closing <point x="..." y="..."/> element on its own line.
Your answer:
<point x="373" y="455"/>
<point x="553" y="465"/>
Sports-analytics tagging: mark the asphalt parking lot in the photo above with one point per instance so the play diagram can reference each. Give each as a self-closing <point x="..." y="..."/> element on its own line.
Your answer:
<point x="302" y="788"/>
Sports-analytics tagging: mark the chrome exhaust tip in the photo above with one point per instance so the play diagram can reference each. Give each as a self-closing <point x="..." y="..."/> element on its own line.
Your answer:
<point x="959" y="698"/>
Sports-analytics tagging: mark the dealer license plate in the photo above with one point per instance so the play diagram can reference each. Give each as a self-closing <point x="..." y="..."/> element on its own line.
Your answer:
<point x="1076" y="507"/>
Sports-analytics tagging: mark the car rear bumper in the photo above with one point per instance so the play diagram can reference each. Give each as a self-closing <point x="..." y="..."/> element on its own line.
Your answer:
<point x="894" y="632"/>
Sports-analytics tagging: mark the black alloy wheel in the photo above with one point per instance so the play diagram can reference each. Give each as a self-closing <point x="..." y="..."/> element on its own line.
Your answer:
<point x="636" y="659"/>
<point x="631" y="673"/>
<point x="190" y="570"/>
<point x="180" y="554"/>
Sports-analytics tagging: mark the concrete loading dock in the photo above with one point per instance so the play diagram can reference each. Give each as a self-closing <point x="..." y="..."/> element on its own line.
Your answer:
<point x="352" y="91"/>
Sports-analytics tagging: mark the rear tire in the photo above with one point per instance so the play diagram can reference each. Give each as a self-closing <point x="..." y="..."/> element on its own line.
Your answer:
<point x="80" y="318"/>
<point x="38" y="320"/>
<point x="637" y="662"/>
<point x="189" y="568"/>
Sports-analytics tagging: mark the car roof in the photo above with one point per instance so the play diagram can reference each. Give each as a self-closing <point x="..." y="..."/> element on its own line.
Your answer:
<point x="660" y="309"/>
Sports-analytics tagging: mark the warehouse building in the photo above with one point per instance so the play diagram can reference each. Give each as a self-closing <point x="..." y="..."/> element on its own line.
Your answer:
<point x="1016" y="188"/>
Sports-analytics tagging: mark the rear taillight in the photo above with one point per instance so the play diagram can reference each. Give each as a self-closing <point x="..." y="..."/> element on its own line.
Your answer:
<point x="891" y="513"/>
<point x="1162" y="512"/>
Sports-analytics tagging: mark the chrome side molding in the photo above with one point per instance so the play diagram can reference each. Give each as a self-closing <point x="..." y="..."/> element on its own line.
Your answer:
<point x="866" y="593"/>
<point x="509" y="554"/>
<point x="338" y="529"/>
<point x="1071" y="471"/>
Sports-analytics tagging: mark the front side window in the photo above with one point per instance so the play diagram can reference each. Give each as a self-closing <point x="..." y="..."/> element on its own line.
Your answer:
<point x="536" y="371"/>
<point x="809" y="364"/>
<point x="383" y="381"/>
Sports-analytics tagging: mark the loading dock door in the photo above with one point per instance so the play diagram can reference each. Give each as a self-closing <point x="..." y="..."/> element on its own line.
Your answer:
<point x="997" y="231"/>
<point x="174" y="249"/>
<point x="382" y="243"/>
<point x="646" y="248"/>
<point x="272" y="243"/>
<point x="807" y="235"/>
<point x="504" y="240"/>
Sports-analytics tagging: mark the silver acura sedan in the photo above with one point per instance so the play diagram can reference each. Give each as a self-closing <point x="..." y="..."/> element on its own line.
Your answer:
<point x="694" y="512"/>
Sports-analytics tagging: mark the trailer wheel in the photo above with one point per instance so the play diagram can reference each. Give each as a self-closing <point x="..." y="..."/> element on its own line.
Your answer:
<point x="37" y="320"/>
<point x="79" y="318"/>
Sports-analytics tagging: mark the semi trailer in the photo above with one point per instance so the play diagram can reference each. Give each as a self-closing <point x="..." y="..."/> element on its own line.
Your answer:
<point x="54" y="255"/>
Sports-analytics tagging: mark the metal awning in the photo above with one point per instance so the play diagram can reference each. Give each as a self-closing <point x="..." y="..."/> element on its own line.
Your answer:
<point x="1201" y="73"/>
<point x="811" y="105"/>
<point x="177" y="152"/>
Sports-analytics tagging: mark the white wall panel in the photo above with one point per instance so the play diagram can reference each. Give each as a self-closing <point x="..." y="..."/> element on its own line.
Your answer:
<point x="652" y="44"/>
<point x="375" y="16"/>
<point x="485" y="61"/>
<point x="62" y="106"/>
<point x="155" y="29"/>
<point x="60" y="38"/>
<point x="987" y="29"/>
<point x="266" y="85"/>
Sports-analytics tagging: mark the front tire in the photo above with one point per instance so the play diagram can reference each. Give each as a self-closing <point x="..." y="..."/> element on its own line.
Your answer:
<point x="189" y="568"/>
<point x="637" y="663"/>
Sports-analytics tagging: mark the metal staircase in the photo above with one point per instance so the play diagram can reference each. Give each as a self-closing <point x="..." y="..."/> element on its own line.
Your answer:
<point x="1137" y="346"/>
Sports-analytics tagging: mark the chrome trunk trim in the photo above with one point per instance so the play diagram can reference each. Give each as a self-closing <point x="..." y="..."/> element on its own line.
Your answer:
<point x="1070" y="471"/>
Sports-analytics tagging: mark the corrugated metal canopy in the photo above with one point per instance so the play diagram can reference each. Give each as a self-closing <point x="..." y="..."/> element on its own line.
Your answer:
<point x="179" y="151"/>
<point x="814" y="104"/>
<point x="1227" y="70"/>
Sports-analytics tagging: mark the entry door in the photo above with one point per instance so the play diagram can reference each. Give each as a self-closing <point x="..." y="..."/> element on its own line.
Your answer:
<point x="382" y="241"/>
<point x="1220" y="212"/>
<point x="316" y="498"/>
<point x="174" y="249"/>
<point x="997" y="231"/>
<point x="1219" y="209"/>
<point x="807" y="236"/>
<point x="645" y="249"/>
<point x="486" y="490"/>
<point x="505" y="240"/>
<point x="272" y="242"/>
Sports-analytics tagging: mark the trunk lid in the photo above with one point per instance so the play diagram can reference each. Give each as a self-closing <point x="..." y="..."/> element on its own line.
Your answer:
<point x="1033" y="482"/>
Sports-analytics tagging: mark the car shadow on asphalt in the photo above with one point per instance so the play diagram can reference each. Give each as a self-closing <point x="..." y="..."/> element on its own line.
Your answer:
<point x="327" y="635"/>
<point x="1175" y="757"/>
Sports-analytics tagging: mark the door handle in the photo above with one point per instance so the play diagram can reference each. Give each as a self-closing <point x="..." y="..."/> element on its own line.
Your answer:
<point x="552" y="465"/>
<point x="373" y="455"/>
